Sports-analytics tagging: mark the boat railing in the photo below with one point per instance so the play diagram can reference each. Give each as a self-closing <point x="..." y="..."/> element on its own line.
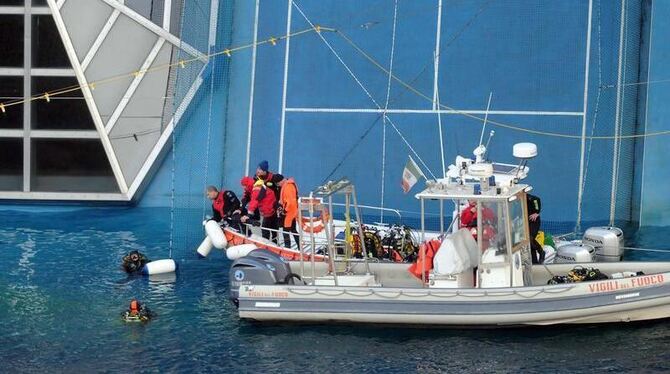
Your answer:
<point x="377" y="208"/>
<point x="279" y="233"/>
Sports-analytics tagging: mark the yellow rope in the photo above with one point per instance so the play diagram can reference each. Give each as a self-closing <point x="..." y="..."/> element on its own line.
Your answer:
<point x="497" y="123"/>
<point x="181" y="63"/>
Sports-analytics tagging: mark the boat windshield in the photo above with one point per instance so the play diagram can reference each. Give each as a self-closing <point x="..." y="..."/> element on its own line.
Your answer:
<point x="494" y="225"/>
<point x="518" y="222"/>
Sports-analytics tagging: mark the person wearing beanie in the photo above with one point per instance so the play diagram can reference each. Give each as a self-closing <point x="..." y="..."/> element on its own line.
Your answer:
<point x="271" y="179"/>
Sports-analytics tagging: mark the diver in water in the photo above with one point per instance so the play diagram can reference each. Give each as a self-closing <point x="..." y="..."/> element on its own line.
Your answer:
<point x="134" y="261"/>
<point x="137" y="312"/>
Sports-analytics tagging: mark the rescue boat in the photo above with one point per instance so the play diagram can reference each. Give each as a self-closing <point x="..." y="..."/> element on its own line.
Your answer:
<point x="490" y="282"/>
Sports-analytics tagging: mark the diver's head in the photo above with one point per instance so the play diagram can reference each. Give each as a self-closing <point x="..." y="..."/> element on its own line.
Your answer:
<point x="212" y="192"/>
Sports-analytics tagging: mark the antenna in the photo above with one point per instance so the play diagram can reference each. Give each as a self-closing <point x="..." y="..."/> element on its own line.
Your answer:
<point x="493" y="132"/>
<point x="486" y="118"/>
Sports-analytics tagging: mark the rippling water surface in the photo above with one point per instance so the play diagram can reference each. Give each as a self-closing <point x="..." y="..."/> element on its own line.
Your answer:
<point x="62" y="292"/>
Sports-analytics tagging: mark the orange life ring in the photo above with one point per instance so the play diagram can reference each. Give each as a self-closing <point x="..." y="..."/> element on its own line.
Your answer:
<point x="315" y="225"/>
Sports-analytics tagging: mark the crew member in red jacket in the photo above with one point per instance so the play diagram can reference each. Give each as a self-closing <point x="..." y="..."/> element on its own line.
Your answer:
<point x="265" y="201"/>
<point x="469" y="221"/>
<point x="224" y="204"/>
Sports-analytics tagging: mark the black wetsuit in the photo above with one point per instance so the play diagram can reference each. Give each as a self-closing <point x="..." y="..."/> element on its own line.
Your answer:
<point x="536" y="250"/>
<point x="230" y="204"/>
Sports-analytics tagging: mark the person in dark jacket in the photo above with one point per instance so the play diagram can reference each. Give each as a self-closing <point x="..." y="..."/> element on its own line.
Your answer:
<point x="264" y="200"/>
<point x="225" y="206"/>
<point x="534" y="222"/>
<point x="270" y="179"/>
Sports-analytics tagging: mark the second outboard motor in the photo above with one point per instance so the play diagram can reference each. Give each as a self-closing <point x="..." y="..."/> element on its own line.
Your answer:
<point x="259" y="267"/>
<point x="607" y="241"/>
<point x="569" y="252"/>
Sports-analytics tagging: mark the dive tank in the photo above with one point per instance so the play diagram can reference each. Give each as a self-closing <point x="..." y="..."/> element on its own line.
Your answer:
<point x="571" y="252"/>
<point x="607" y="241"/>
<point x="259" y="267"/>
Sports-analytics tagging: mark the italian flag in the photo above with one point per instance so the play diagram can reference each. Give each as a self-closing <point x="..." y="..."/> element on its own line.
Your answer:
<point x="410" y="175"/>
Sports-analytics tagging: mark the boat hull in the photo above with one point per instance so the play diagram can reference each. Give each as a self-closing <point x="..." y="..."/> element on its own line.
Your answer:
<point x="621" y="300"/>
<point x="236" y="238"/>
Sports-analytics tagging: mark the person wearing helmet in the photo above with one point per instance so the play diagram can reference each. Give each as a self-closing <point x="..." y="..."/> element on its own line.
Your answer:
<point x="137" y="312"/>
<point x="133" y="262"/>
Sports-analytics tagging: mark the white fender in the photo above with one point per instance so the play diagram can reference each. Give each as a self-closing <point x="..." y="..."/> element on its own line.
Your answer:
<point x="215" y="234"/>
<point x="160" y="267"/>
<point x="238" y="251"/>
<point x="205" y="247"/>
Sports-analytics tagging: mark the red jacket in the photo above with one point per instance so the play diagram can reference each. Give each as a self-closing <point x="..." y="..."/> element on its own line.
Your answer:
<point x="263" y="199"/>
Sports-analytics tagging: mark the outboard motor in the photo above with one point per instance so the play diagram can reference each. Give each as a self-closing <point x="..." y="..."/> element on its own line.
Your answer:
<point x="259" y="267"/>
<point x="607" y="241"/>
<point x="571" y="252"/>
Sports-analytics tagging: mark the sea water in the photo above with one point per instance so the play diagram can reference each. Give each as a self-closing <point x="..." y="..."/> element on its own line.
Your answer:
<point x="62" y="292"/>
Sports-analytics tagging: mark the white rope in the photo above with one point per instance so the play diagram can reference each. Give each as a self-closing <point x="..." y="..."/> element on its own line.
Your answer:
<point x="174" y="151"/>
<point x="593" y="123"/>
<point x="209" y="126"/>
<point x="386" y="107"/>
<point x="365" y="90"/>
<point x="647" y="249"/>
<point x="439" y="126"/>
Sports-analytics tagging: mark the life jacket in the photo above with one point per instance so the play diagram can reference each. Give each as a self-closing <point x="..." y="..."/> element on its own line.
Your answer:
<point x="264" y="200"/>
<point x="219" y="203"/>
<point x="289" y="201"/>
<point x="427" y="251"/>
<point x="134" y="307"/>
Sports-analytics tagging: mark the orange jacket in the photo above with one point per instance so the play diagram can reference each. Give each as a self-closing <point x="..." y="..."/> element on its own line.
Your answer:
<point x="288" y="198"/>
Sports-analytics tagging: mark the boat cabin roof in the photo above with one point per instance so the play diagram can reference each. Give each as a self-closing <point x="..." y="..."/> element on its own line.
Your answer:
<point x="442" y="191"/>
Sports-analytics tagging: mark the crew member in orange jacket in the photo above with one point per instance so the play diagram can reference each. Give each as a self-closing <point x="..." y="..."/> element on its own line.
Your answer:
<point x="288" y="210"/>
<point x="264" y="200"/>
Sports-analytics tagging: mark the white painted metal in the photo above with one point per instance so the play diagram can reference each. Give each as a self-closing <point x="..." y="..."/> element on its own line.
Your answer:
<point x="213" y="23"/>
<point x="251" y="91"/>
<point x="27" y="90"/>
<point x="617" y="117"/>
<point x="436" y="61"/>
<point x="40" y="10"/>
<point x="646" y="111"/>
<point x="52" y="72"/>
<point x="12" y="9"/>
<point x="283" y="100"/>
<point x="15" y="72"/>
<point x="60" y="3"/>
<point x="580" y="191"/>
<point x="101" y="38"/>
<point x="64" y="134"/>
<point x="133" y="85"/>
<point x="167" y="14"/>
<point x="65" y="196"/>
<point x="165" y="136"/>
<point x="430" y="111"/>
<point x="11" y="133"/>
<point x="95" y="114"/>
<point x="158" y="30"/>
